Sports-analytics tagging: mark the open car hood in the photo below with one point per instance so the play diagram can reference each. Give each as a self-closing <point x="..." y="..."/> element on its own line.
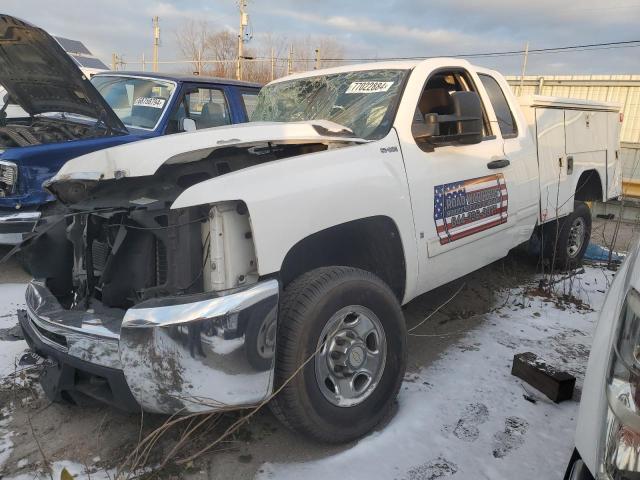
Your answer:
<point x="143" y="158"/>
<point x="41" y="77"/>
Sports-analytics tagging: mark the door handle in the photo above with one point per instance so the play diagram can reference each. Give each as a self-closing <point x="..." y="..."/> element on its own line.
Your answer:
<point x="500" y="163"/>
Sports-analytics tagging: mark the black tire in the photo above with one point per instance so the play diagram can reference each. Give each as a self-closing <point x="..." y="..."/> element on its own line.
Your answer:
<point x="306" y="307"/>
<point x="558" y="238"/>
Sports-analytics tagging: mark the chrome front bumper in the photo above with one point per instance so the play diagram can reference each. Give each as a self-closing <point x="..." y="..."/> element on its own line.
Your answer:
<point x="184" y="354"/>
<point x="13" y="225"/>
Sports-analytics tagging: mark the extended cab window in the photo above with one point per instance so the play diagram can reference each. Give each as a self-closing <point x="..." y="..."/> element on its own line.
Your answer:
<point x="436" y="98"/>
<point x="505" y="117"/>
<point x="250" y="100"/>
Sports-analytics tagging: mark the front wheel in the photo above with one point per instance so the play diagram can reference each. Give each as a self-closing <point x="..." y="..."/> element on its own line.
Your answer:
<point x="347" y="325"/>
<point x="567" y="240"/>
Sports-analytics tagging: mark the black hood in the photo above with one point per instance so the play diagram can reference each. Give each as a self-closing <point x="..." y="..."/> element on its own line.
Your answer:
<point x="41" y="77"/>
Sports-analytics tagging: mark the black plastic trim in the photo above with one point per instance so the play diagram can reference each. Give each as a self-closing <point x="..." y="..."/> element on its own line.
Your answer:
<point x="70" y="378"/>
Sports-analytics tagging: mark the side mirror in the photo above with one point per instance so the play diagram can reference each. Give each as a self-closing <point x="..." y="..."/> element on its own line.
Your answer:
<point x="463" y="126"/>
<point x="467" y="116"/>
<point x="422" y="132"/>
<point x="188" y="125"/>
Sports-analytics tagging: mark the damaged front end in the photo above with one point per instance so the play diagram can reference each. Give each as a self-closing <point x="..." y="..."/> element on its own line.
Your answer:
<point x="142" y="306"/>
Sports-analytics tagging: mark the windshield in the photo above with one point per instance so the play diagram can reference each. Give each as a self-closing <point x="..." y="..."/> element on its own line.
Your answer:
<point x="363" y="101"/>
<point x="139" y="102"/>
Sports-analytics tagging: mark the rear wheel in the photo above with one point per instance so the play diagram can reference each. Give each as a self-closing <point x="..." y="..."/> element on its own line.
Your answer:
<point x="348" y="324"/>
<point x="567" y="240"/>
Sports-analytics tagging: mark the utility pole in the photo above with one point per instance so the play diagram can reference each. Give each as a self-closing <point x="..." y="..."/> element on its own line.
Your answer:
<point x="317" y="65"/>
<point x="290" y="60"/>
<point x="144" y="63"/>
<point x="524" y="66"/>
<point x="273" y="63"/>
<point x="244" y="21"/>
<point x="156" y="42"/>
<point x="117" y="61"/>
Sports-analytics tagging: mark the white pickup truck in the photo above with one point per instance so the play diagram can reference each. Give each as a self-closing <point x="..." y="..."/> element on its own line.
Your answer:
<point x="211" y="269"/>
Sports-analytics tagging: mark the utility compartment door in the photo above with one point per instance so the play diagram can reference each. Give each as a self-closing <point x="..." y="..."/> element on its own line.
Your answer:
<point x="586" y="131"/>
<point x="555" y="195"/>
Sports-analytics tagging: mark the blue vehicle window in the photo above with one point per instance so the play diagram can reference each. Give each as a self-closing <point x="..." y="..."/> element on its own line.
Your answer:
<point x="207" y="107"/>
<point x="139" y="102"/>
<point x="250" y="100"/>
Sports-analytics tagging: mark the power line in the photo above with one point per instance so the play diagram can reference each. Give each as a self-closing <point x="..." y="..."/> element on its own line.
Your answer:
<point x="290" y="60"/>
<point x="533" y="51"/>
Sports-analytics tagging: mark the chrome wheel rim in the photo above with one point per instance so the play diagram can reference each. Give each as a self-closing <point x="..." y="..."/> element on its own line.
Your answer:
<point x="576" y="237"/>
<point x="351" y="357"/>
<point x="267" y="336"/>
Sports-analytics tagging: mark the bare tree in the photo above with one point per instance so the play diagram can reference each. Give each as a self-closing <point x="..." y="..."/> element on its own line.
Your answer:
<point x="192" y="38"/>
<point x="223" y="48"/>
<point x="214" y="52"/>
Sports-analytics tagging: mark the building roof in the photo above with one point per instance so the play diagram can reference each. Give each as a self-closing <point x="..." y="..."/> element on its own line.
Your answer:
<point x="180" y="77"/>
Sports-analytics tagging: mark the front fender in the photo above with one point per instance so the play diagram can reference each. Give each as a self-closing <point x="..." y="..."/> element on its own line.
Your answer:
<point x="293" y="198"/>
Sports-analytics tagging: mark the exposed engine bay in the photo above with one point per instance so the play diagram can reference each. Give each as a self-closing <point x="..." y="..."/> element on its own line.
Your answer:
<point x="41" y="130"/>
<point x="123" y="245"/>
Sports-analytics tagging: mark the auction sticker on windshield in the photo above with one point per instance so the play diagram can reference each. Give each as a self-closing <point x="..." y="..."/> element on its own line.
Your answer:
<point x="369" y="87"/>
<point x="468" y="207"/>
<point x="153" y="102"/>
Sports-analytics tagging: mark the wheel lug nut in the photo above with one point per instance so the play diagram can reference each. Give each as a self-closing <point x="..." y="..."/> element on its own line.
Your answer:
<point x="338" y="368"/>
<point x="335" y="355"/>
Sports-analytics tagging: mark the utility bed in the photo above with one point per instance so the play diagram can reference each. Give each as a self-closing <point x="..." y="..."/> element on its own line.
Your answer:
<point x="573" y="135"/>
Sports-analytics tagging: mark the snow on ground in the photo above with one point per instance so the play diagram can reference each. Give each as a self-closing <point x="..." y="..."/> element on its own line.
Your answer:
<point x="466" y="416"/>
<point x="79" y="472"/>
<point x="11" y="298"/>
<point x="462" y="417"/>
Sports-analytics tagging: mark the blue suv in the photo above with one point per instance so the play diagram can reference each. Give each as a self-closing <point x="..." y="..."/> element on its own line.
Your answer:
<point x="52" y="112"/>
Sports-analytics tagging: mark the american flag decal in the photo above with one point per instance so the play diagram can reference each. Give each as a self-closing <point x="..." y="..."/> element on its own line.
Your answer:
<point x="469" y="206"/>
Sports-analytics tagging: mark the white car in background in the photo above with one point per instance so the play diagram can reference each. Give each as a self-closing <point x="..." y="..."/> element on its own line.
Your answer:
<point x="608" y="431"/>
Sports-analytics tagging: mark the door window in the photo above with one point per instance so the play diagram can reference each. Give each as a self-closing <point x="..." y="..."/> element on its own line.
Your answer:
<point x="207" y="107"/>
<point x="506" y="120"/>
<point x="436" y="98"/>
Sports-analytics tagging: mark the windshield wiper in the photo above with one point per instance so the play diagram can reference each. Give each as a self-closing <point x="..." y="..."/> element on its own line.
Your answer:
<point x="344" y="131"/>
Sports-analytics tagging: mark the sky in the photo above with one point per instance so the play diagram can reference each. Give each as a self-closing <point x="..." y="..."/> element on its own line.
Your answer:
<point x="393" y="28"/>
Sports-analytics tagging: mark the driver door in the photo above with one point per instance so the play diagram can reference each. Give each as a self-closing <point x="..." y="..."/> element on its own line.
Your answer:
<point x="459" y="192"/>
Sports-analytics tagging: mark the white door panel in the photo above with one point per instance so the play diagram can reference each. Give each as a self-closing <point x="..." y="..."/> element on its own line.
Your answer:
<point x="554" y="191"/>
<point x="462" y="209"/>
<point x="586" y="131"/>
